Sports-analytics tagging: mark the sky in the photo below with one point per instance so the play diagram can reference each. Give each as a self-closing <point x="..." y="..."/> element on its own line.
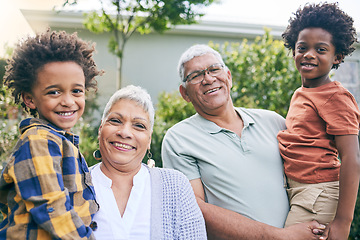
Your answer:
<point x="270" y="12"/>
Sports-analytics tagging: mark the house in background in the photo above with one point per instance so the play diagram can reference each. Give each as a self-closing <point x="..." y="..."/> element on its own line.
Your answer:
<point x="151" y="60"/>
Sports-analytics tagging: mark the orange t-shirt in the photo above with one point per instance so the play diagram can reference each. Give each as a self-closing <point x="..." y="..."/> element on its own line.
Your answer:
<point x="315" y="116"/>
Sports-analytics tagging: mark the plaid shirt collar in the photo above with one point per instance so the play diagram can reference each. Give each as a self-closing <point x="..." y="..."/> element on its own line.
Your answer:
<point x="32" y="122"/>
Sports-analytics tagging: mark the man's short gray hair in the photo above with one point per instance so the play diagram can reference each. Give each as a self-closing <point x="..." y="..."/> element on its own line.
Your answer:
<point x="196" y="51"/>
<point x="136" y="94"/>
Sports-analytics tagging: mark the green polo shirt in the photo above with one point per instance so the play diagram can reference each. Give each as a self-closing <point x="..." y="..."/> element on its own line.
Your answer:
<point x="244" y="174"/>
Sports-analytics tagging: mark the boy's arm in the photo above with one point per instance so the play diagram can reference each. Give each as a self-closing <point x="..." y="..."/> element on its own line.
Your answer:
<point x="222" y="223"/>
<point x="39" y="181"/>
<point x="348" y="147"/>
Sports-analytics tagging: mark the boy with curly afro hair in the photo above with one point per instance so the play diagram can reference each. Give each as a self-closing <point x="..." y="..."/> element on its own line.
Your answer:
<point x="45" y="187"/>
<point x="322" y="122"/>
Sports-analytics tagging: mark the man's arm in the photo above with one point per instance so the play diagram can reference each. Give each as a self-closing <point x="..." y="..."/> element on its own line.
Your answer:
<point x="225" y="224"/>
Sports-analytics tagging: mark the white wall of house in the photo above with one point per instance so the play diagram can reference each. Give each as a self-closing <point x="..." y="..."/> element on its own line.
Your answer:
<point x="151" y="60"/>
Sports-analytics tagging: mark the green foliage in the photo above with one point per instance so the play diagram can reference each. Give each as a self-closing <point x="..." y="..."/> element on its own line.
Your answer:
<point x="8" y="108"/>
<point x="88" y="140"/>
<point x="264" y="75"/>
<point x="2" y="68"/>
<point x="9" y="134"/>
<point x="355" y="225"/>
<point x="9" y="115"/>
<point x="123" y="18"/>
<point x="171" y="108"/>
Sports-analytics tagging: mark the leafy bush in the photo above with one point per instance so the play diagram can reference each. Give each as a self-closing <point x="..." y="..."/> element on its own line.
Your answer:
<point x="264" y="75"/>
<point x="170" y="109"/>
<point x="9" y="117"/>
<point x="88" y="130"/>
<point x="88" y="139"/>
<point x="355" y="225"/>
<point x="9" y="135"/>
<point x="8" y="121"/>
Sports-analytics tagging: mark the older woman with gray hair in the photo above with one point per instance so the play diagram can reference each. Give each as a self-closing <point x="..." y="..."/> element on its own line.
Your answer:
<point x="136" y="201"/>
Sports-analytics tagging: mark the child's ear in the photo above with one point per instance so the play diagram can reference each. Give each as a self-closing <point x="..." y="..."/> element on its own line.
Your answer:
<point x="338" y="58"/>
<point x="28" y="100"/>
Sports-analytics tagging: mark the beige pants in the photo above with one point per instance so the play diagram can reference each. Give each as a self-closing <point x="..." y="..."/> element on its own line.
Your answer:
<point x="312" y="202"/>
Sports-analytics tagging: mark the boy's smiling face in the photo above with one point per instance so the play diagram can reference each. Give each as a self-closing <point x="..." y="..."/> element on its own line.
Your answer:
<point x="314" y="56"/>
<point x="58" y="94"/>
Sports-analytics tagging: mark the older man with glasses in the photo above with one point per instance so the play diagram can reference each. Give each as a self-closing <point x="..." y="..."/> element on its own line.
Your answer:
<point x="230" y="155"/>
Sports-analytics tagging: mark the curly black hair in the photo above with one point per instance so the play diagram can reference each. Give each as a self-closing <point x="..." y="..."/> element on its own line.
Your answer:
<point x="327" y="16"/>
<point x="33" y="53"/>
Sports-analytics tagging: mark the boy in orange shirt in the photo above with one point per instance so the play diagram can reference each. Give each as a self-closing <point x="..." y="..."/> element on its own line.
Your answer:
<point x="322" y="123"/>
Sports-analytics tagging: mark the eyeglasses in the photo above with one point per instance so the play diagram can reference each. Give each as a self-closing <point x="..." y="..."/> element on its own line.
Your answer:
<point x="198" y="76"/>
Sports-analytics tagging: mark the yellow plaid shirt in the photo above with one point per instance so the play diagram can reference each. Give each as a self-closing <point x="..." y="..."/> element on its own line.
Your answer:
<point x="45" y="188"/>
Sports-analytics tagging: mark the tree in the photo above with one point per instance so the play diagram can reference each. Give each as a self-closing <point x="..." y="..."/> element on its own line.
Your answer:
<point x="123" y="18"/>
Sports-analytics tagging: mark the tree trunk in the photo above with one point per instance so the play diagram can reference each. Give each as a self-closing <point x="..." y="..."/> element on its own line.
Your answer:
<point x="120" y="62"/>
<point x="119" y="73"/>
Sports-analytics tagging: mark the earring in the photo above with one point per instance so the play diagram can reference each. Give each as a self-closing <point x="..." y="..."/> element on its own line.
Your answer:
<point x="150" y="162"/>
<point x="97" y="155"/>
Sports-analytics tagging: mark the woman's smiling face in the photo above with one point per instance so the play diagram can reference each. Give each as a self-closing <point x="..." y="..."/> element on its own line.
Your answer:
<point x="125" y="135"/>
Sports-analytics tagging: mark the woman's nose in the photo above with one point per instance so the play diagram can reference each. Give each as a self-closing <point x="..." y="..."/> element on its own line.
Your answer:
<point x="124" y="131"/>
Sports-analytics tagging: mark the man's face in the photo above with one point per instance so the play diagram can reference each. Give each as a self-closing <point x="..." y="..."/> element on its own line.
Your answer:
<point x="212" y="94"/>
